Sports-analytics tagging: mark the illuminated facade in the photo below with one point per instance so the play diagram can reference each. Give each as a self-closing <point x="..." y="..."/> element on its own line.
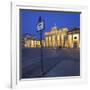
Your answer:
<point x="56" y="38"/>
<point x="74" y="38"/>
<point x="64" y="38"/>
<point x="31" y="42"/>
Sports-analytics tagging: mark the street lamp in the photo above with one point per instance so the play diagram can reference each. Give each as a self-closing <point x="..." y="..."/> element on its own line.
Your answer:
<point x="40" y="28"/>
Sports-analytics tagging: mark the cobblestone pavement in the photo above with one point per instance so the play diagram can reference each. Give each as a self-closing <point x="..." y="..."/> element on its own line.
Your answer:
<point x="56" y="62"/>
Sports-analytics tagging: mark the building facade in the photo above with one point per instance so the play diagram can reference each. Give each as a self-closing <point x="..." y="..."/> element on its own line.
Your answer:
<point x="55" y="38"/>
<point x="30" y="41"/>
<point x="62" y="38"/>
<point x="74" y="38"/>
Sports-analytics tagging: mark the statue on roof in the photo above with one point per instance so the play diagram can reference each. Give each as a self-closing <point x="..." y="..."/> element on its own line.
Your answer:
<point x="54" y="27"/>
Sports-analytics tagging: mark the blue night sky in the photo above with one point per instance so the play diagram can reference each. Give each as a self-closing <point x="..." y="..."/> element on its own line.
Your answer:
<point x="29" y="20"/>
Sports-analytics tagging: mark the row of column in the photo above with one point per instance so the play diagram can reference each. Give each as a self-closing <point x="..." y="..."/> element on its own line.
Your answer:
<point x="55" y="41"/>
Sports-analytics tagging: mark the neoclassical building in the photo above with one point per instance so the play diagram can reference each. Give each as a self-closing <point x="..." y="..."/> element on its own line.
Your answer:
<point x="29" y="41"/>
<point x="62" y="38"/>
<point x="74" y="38"/>
<point x="55" y="38"/>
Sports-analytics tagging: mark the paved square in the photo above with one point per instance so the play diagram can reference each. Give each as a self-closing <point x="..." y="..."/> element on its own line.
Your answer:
<point x="56" y="62"/>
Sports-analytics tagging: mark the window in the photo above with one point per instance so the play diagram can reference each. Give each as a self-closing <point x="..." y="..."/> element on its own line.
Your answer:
<point x="75" y="37"/>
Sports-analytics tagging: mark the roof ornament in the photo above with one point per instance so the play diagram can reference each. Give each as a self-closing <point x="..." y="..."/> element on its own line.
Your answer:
<point x="54" y="27"/>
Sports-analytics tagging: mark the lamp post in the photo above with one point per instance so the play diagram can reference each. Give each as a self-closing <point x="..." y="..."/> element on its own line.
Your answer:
<point x="40" y="28"/>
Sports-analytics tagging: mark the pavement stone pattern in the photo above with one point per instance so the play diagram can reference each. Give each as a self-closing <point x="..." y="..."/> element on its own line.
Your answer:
<point x="59" y="62"/>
